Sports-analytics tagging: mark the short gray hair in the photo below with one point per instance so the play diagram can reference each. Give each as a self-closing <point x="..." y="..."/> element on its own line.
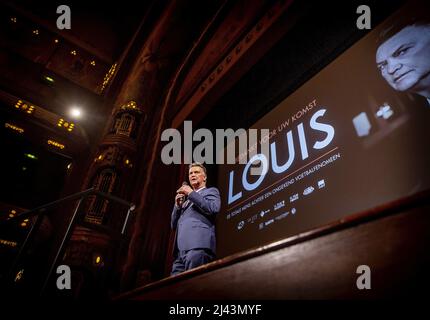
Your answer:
<point x="198" y="164"/>
<point x="393" y="29"/>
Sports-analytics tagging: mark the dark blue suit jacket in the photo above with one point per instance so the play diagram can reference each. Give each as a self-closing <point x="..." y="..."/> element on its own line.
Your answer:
<point x="195" y="220"/>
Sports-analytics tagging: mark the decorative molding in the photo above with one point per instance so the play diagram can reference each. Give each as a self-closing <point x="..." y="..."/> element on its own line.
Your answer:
<point x="108" y="77"/>
<point x="121" y="140"/>
<point x="231" y="58"/>
<point x="131" y="106"/>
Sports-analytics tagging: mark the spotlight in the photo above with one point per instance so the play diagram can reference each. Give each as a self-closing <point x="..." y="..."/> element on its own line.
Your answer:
<point x="75" y="112"/>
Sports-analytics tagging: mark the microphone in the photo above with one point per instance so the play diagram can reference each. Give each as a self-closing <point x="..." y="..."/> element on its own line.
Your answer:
<point x="183" y="197"/>
<point x="185" y="183"/>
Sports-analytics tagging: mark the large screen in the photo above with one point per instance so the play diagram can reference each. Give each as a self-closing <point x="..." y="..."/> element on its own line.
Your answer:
<point x="353" y="137"/>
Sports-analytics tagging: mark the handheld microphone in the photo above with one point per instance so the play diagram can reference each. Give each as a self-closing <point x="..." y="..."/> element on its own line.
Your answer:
<point x="185" y="183"/>
<point x="183" y="197"/>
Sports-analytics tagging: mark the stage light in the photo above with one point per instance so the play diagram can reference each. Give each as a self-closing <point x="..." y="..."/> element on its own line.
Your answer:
<point x="13" y="127"/>
<point x="49" y="79"/>
<point x="98" y="260"/>
<point x="56" y="144"/>
<point x="75" y="112"/>
<point x="31" y="156"/>
<point x="19" y="275"/>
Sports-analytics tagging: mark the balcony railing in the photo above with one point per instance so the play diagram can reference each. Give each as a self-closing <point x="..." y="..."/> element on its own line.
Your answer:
<point x="39" y="213"/>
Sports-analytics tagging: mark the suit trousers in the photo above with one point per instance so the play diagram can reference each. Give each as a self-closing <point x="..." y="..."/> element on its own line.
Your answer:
<point x="191" y="259"/>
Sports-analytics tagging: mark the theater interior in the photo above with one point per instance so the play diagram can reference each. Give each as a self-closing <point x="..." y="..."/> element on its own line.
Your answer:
<point x="84" y="185"/>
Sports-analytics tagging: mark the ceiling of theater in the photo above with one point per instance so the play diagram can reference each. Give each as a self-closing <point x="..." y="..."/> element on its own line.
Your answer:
<point x="53" y="70"/>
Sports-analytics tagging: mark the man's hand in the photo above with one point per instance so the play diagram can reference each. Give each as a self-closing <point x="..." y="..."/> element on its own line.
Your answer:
<point x="179" y="199"/>
<point x="184" y="190"/>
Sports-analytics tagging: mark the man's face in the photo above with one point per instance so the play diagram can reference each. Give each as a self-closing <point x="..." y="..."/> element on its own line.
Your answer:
<point x="197" y="177"/>
<point x="404" y="59"/>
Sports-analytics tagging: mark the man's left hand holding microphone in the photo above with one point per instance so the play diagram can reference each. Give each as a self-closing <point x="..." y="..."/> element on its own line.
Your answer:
<point x="182" y="193"/>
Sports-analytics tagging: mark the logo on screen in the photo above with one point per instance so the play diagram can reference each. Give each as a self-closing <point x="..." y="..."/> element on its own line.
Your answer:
<point x="321" y="184"/>
<point x="308" y="190"/>
<point x="385" y="111"/>
<point x="362" y="124"/>
<point x="279" y="205"/>
<point x="282" y="216"/>
<point x="269" y="222"/>
<point x="240" y="225"/>
<point x="253" y="218"/>
<point x="262" y="213"/>
<point x="294" y="197"/>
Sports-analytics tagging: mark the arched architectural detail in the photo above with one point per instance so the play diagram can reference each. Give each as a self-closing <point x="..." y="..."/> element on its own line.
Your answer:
<point x="105" y="181"/>
<point x="126" y="120"/>
<point x="123" y="124"/>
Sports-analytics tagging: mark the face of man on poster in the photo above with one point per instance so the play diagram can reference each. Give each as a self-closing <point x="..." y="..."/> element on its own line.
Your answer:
<point x="404" y="60"/>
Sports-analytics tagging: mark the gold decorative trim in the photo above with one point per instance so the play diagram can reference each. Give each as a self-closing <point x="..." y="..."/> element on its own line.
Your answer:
<point x="108" y="77"/>
<point x="131" y="105"/>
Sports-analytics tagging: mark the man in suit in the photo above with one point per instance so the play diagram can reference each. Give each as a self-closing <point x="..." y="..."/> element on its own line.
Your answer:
<point x="403" y="57"/>
<point x="193" y="216"/>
